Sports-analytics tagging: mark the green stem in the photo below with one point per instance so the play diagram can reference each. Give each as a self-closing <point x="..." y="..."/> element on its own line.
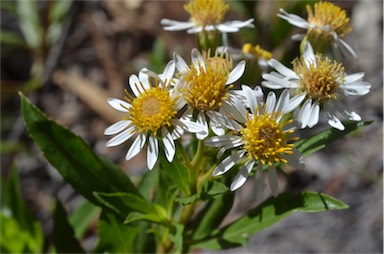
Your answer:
<point x="184" y="153"/>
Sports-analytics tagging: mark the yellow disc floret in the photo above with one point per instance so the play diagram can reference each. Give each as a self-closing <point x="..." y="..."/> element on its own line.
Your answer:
<point x="207" y="89"/>
<point x="264" y="139"/>
<point x="152" y="109"/>
<point x="320" y="80"/>
<point x="207" y="12"/>
<point x="256" y="51"/>
<point x="328" y="14"/>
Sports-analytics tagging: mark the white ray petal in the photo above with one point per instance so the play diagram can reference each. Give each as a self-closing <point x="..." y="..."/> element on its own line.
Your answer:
<point x="346" y="112"/>
<point x="169" y="144"/>
<point x="357" y="88"/>
<point x="283" y="70"/>
<point x="293" y="19"/>
<point x="225" y="28"/>
<point x="304" y="113"/>
<point x="314" y="115"/>
<point x="242" y="175"/>
<point x="228" y="163"/>
<point x="169" y="71"/>
<point x="136" y="146"/>
<point x="197" y="59"/>
<point x="181" y="66"/>
<point x="121" y="138"/>
<point x="202" y="120"/>
<point x="240" y="23"/>
<point x="173" y="25"/>
<point x="152" y="151"/>
<point x="334" y="121"/>
<point x="135" y="85"/>
<point x="271" y="102"/>
<point x="347" y="50"/>
<point x="294" y="102"/>
<point x="217" y="129"/>
<point x="251" y="99"/>
<point x="144" y="75"/>
<point x="273" y="180"/>
<point x="308" y="55"/>
<point x="354" y="77"/>
<point x="120" y="105"/>
<point x="220" y="141"/>
<point x="117" y="127"/>
<point x="283" y="101"/>
<point x="236" y="73"/>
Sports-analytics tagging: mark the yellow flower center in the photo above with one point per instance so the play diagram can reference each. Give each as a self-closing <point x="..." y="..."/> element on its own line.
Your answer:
<point x="152" y="109"/>
<point x="264" y="139"/>
<point x="206" y="90"/>
<point x="321" y="80"/>
<point x="206" y="12"/>
<point x="328" y="14"/>
<point x="257" y="51"/>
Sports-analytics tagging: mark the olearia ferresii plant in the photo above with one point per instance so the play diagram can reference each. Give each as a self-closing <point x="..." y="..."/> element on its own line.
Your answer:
<point x="205" y="133"/>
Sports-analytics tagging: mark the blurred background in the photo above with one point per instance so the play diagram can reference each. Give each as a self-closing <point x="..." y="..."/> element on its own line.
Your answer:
<point x="68" y="57"/>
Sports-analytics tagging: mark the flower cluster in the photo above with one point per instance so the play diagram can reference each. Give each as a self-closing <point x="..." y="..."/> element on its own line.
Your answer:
<point x="246" y="128"/>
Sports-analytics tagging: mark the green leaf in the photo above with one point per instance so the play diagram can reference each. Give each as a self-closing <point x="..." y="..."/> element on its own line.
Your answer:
<point x="148" y="183"/>
<point x="15" y="239"/>
<point x="73" y="158"/>
<point x="176" y="236"/>
<point x="29" y="21"/>
<point x="187" y="200"/>
<point x="123" y="203"/>
<point x="63" y="233"/>
<point x="151" y="217"/>
<point x="12" y="40"/>
<point x="82" y="217"/>
<point x="320" y="140"/>
<point x="177" y="172"/>
<point x="114" y="236"/>
<point x="25" y="234"/>
<point x="211" y="216"/>
<point x="265" y="215"/>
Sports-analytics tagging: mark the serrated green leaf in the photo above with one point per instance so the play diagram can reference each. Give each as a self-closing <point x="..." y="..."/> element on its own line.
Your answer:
<point x="265" y="215"/>
<point x="63" y="234"/>
<point x="82" y="217"/>
<point x="212" y="189"/>
<point x="320" y="140"/>
<point x="114" y="236"/>
<point x="73" y="158"/>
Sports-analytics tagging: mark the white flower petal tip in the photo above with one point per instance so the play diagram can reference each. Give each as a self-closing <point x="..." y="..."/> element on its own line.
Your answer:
<point x="118" y="104"/>
<point x="117" y="127"/>
<point x="136" y="146"/>
<point x="152" y="152"/>
<point x="228" y="163"/>
<point x="236" y="73"/>
<point x="242" y="175"/>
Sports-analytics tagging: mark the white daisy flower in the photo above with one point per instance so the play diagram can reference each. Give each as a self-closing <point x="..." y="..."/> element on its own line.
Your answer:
<point x="249" y="53"/>
<point x="207" y="15"/>
<point x="322" y="84"/>
<point x="262" y="140"/>
<point x="151" y="114"/>
<point x="205" y="86"/>
<point x="326" y="25"/>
